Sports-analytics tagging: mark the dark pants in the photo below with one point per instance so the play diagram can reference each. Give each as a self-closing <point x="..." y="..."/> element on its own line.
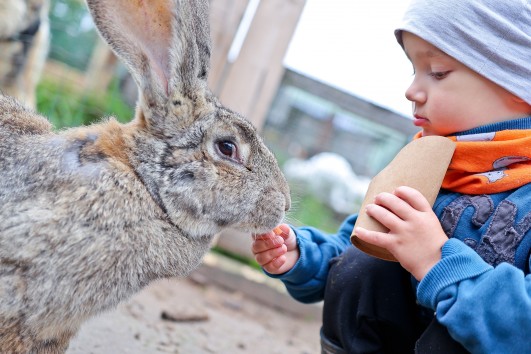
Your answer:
<point x="370" y="307"/>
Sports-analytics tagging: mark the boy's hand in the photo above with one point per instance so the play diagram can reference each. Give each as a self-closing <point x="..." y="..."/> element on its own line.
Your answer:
<point x="415" y="234"/>
<point x="277" y="254"/>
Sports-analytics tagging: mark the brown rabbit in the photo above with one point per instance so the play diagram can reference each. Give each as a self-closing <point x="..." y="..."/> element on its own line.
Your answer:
<point x="91" y="215"/>
<point x="24" y="42"/>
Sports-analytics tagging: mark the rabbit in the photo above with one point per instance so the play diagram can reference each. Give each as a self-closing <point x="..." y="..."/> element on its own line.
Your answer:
<point x="91" y="215"/>
<point x="24" y="45"/>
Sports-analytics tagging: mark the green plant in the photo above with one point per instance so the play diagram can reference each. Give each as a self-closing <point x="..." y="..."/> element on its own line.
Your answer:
<point x="308" y="210"/>
<point x="237" y="257"/>
<point x="73" y="33"/>
<point x="67" y="107"/>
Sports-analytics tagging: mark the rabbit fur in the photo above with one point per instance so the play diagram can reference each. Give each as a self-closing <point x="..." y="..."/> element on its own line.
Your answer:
<point x="24" y="44"/>
<point x="90" y="215"/>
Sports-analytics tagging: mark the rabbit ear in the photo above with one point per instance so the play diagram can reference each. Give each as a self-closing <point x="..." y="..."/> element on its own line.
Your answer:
<point x="164" y="43"/>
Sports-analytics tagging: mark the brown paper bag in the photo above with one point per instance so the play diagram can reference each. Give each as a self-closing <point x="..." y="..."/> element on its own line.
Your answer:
<point x="421" y="164"/>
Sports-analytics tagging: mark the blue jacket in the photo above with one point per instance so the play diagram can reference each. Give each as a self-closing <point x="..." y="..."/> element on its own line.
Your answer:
<point x="480" y="289"/>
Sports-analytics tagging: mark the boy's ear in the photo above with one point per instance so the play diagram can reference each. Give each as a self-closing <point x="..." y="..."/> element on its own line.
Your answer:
<point x="522" y="104"/>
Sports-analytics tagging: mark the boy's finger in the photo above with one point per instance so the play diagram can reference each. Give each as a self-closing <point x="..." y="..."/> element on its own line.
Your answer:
<point x="264" y="258"/>
<point x="263" y="236"/>
<point x="383" y="215"/>
<point x="275" y="265"/>
<point x="413" y="197"/>
<point x="394" y="204"/>
<point x="376" y="238"/>
<point x="265" y="244"/>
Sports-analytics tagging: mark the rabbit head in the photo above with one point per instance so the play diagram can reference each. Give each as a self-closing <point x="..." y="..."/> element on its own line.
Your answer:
<point x="204" y="164"/>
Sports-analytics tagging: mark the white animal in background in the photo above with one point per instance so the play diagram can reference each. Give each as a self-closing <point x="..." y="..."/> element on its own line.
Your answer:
<point x="330" y="178"/>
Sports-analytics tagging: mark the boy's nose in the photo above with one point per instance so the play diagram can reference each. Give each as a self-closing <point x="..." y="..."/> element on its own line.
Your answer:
<point x="415" y="94"/>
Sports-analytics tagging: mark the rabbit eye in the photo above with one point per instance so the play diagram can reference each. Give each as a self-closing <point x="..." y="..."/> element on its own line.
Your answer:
<point x="228" y="149"/>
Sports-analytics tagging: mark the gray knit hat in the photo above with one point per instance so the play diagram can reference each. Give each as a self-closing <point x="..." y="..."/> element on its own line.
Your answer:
<point x="492" y="37"/>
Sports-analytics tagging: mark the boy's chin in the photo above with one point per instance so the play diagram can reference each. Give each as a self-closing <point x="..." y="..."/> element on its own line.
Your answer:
<point x="425" y="132"/>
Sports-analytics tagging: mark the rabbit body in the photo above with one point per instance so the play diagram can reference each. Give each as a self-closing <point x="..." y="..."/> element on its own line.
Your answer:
<point x="90" y="215"/>
<point x="24" y="43"/>
<point x="72" y="226"/>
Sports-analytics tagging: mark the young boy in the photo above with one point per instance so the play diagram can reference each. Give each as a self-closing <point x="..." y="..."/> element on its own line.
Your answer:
<point x="469" y="255"/>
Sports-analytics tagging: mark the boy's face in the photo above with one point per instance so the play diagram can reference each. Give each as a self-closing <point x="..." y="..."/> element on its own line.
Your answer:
<point x="448" y="97"/>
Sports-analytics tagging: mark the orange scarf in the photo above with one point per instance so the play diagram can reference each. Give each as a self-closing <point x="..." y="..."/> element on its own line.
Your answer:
<point x="489" y="163"/>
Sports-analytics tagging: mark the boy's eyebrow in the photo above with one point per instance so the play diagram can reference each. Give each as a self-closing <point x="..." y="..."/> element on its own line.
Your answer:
<point x="434" y="53"/>
<point x="430" y="53"/>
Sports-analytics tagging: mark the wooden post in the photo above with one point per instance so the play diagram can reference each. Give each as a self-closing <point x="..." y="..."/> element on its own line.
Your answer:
<point x="101" y="68"/>
<point x="252" y="80"/>
<point x="225" y="17"/>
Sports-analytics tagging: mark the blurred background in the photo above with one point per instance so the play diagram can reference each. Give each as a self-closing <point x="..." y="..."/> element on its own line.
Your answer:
<point x="322" y="80"/>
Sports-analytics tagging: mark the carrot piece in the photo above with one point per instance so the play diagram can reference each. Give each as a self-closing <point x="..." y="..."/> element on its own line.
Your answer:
<point x="277" y="230"/>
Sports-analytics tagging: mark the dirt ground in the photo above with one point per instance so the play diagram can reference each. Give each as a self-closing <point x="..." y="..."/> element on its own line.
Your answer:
<point x="212" y="311"/>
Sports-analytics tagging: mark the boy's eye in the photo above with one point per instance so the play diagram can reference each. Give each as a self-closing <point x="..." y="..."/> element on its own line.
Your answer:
<point x="439" y="74"/>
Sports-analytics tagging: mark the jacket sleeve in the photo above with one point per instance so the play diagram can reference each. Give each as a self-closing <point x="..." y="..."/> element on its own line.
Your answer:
<point x="486" y="309"/>
<point x="307" y="279"/>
